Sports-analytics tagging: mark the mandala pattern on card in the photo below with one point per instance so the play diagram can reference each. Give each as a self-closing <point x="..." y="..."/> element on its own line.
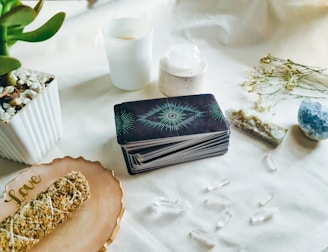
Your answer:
<point x="124" y="122"/>
<point x="171" y="116"/>
<point x="215" y="111"/>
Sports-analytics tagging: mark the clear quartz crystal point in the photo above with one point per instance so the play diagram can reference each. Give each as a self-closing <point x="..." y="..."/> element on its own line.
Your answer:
<point x="206" y="238"/>
<point x="171" y="204"/>
<point x="219" y="204"/>
<point x="263" y="215"/>
<point x="270" y="162"/>
<point x="266" y="200"/>
<point x="224" y="219"/>
<point x="223" y="182"/>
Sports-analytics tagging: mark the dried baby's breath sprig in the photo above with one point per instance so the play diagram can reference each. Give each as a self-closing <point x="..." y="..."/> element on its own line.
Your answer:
<point x="277" y="79"/>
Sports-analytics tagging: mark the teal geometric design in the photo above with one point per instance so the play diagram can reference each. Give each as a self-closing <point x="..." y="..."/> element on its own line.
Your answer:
<point x="215" y="111"/>
<point x="124" y="122"/>
<point x="171" y="116"/>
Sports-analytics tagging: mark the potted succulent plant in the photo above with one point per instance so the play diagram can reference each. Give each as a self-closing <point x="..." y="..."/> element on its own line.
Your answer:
<point x="30" y="116"/>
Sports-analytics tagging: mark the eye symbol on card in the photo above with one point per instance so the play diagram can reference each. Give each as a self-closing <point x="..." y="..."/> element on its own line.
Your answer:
<point x="124" y="122"/>
<point x="171" y="116"/>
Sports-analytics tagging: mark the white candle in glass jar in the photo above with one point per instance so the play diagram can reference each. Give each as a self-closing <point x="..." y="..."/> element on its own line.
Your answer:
<point x="128" y="44"/>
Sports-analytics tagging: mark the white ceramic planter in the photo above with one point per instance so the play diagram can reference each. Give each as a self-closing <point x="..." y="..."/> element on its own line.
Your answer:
<point x="35" y="129"/>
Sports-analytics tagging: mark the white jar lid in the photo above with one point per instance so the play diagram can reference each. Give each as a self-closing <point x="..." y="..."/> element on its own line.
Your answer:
<point x="183" y="60"/>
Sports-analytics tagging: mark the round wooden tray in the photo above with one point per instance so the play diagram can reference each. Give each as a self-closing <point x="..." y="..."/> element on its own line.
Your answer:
<point x="94" y="226"/>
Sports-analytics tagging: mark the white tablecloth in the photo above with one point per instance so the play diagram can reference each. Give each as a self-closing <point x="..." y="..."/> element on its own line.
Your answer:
<point x="232" y="37"/>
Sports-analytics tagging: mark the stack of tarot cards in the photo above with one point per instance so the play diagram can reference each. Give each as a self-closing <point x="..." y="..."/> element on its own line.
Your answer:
<point x="161" y="132"/>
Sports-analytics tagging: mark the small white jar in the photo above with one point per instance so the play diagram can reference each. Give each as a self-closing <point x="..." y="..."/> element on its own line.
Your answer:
<point x="182" y="71"/>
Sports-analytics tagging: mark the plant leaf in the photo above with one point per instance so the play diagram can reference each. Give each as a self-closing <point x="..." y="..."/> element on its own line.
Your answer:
<point x="44" y="32"/>
<point x="38" y="6"/>
<point x="5" y="2"/>
<point x="9" y="4"/>
<point x="20" y="15"/>
<point x="13" y="30"/>
<point x="8" y="64"/>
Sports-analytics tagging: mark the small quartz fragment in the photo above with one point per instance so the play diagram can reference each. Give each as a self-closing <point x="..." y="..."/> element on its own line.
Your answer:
<point x="224" y="219"/>
<point x="268" y="132"/>
<point x="265" y="214"/>
<point x="218" y="204"/>
<point x="206" y="238"/>
<point x="172" y="204"/>
<point x="266" y="200"/>
<point x="270" y="162"/>
<point x="221" y="183"/>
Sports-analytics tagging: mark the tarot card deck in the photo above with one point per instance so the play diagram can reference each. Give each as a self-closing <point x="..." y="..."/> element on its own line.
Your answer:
<point x="161" y="132"/>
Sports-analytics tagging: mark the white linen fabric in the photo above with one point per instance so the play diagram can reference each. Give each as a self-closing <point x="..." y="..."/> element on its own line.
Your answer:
<point x="232" y="36"/>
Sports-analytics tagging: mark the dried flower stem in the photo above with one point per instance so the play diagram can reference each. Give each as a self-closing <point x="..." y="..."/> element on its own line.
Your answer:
<point x="277" y="79"/>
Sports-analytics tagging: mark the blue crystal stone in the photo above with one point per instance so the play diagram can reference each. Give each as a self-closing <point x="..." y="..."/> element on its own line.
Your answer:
<point x="313" y="119"/>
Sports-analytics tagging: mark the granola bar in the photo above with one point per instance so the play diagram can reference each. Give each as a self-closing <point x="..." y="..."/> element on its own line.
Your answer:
<point x="43" y="214"/>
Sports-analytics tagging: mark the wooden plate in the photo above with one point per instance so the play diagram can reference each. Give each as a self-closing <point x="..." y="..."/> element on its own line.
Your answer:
<point x="94" y="226"/>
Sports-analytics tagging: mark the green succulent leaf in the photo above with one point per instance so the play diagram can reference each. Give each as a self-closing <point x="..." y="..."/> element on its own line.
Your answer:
<point x="13" y="30"/>
<point x="9" y="4"/>
<point x="38" y="6"/>
<point x="44" y="32"/>
<point x="15" y="2"/>
<point x="20" y="15"/>
<point x="8" y="64"/>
